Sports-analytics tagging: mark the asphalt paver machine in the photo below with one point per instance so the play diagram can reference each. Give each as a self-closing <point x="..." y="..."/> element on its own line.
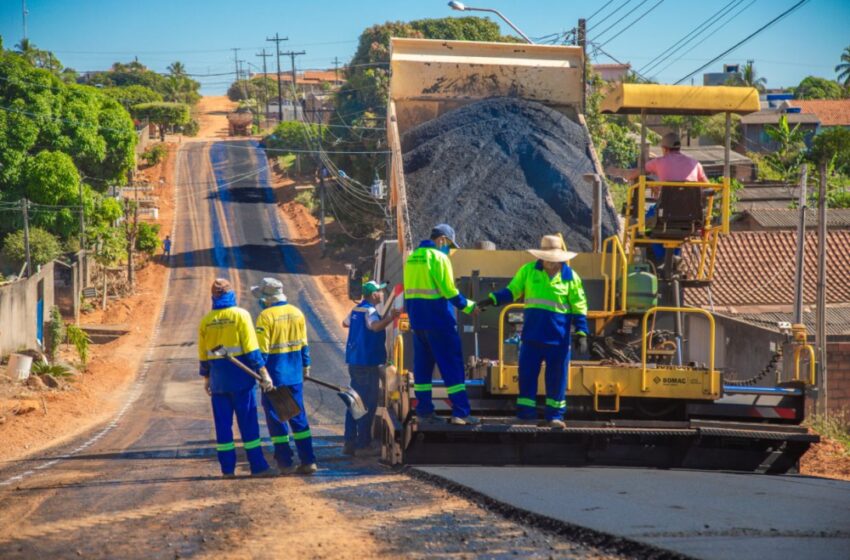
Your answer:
<point x="649" y="393"/>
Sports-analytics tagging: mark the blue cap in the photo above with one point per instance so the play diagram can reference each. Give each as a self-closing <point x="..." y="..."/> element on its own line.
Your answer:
<point x="445" y="230"/>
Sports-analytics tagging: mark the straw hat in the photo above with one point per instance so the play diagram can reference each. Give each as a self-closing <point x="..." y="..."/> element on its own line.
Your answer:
<point x="552" y="249"/>
<point x="270" y="291"/>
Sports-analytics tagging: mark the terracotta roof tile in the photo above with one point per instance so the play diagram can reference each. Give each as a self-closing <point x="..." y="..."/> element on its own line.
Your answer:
<point x="757" y="268"/>
<point x="830" y="112"/>
<point x="788" y="219"/>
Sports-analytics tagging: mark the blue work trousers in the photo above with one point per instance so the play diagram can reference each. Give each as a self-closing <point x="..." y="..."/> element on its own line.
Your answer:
<point x="531" y="357"/>
<point x="244" y="405"/>
<point x="364" y="380"/>
<point x="300" y="431"/>
<point x="440" y="347"/>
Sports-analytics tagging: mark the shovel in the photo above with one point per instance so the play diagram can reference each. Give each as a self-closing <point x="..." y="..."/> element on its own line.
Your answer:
<point x="348" y="395"/>
<point x="280" y="397"/>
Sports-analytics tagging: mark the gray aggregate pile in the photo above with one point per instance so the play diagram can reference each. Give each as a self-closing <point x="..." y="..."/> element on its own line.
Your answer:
<point x="505" y="170"/>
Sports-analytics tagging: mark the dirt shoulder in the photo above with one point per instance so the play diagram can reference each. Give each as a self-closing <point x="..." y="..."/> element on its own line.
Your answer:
<point x="827" y="459"/>
<point x="34" y="417"/>
<point x="211" y="113"/>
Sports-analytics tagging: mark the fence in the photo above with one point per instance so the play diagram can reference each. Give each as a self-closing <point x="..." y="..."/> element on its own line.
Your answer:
<point x="69" y="279"/>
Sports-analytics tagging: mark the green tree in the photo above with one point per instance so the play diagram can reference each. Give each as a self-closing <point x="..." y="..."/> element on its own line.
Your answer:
<point x="44" y="247"/>
<point x="177" y="68"/>
<point x="812" y="87"/>
<point x="748" y="78"/>
<point x="164" y="115"/>
<point x="689" y="127"/>
<point x="790" y="150"/>
<point x="147" y="238"/>
<point x="296" y="136"/>
<point x="255" y="88"/>
<point x="128" y="96"/>
<point x="843" y="69"/>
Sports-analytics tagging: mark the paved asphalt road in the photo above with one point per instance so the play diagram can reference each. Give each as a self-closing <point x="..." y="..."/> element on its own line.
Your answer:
<point x="702" y="514"/>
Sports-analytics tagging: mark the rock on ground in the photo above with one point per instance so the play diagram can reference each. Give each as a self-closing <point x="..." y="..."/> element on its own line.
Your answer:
<point x="505" y="170"/>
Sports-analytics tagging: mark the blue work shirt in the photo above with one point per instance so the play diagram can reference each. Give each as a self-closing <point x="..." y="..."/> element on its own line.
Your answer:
<point x="365" y="347"/>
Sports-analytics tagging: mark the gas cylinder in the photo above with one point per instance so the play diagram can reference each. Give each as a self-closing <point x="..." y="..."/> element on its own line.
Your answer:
<point x="642" y="291"/>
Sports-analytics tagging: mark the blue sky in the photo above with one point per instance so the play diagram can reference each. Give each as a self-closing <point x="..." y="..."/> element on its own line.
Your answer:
<point x="92" y="34"/>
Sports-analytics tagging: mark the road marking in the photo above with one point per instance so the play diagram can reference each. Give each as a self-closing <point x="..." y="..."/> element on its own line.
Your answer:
<point x="138" y="386"/>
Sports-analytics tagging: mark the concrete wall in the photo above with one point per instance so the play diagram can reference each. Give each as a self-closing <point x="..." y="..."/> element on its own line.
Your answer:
<point x="69" y="279"/>
<point x="19" y="320"/>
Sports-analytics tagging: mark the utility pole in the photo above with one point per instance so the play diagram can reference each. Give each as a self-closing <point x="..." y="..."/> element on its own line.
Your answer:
<point x="277" y="39"/>
<point x="25" y="209"/>
<point x="24" y="13"/>
<point x="82" y="220"/>
<point x="322" y="172"/>
<point x="336" y="70"/>
<point x="581" y="39"/>
<point x="820" y="331"/>
<point x="236" y="62"/>
<point x="801" y="243"/>
<point x="292" y="55"/>
<point x="244" y="80"/>
<point x="265" y="86"/>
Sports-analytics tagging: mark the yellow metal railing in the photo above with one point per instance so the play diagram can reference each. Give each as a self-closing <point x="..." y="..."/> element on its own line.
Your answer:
<point x="644" y="386"/>
<point x="798" y="350"/>
<point x="619" y="263"/>
<point x="502" y="315"/>
<point x="634" y="234"/>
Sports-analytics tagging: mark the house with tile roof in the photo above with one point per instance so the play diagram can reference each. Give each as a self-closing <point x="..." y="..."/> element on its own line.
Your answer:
<point x="771" y="219"/>
<point x="754" y="135"/>
<point x="830" y="112"/>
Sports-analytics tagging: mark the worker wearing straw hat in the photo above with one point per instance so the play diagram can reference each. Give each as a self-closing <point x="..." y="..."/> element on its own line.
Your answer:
<point x="554" y="302"/>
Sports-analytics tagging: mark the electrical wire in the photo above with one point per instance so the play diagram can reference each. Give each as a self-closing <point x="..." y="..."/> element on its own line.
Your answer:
<point x="617" y="9"/>
<point x="593" y="15"/>
<point x="744" y="40"/>
<point x="707" y="37"/>
<point x="633" y="22"/>
<point x="627" y="14"/>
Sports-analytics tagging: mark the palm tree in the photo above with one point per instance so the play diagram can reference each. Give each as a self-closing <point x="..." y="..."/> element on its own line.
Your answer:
<point x="177" y="69"/>
<point x="748" y="78"/>
<point x="843" y="69"/>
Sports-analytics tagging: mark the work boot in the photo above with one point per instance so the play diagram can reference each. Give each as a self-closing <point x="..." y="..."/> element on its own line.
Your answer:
<point x="228" y="475"/>
<point x="286" y="469"/>
<point x="465" y="421"/>
<point x="554" y="423"/>
<point x="307" y="469"/>
<point x="348" y="449"/>
<point x="371" y="450"/>
<point x="428" y="419"/>
<point x="269" y="472"/>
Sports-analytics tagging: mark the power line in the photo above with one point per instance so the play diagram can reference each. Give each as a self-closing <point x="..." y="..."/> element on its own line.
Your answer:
<point x="631" y="25"/>
<point x="707" y="37"/>
<point x="599" y="10"/>
<point x="617" y="9"/>
<point x="627" y="14"/>
<point x="690" y="35"/>
<point x="744" y="40"/>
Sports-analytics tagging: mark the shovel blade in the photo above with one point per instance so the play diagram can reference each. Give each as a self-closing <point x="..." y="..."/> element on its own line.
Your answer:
<point x="353" y="402"/>
<point x="283" y="403"/>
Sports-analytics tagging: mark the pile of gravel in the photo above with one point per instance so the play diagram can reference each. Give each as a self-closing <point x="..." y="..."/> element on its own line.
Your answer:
<point x="505" y="170"/>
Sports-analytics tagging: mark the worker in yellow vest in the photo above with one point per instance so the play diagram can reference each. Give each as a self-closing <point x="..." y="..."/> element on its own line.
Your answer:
<point x="430" y="295"/>
<point x="554" y="302"/>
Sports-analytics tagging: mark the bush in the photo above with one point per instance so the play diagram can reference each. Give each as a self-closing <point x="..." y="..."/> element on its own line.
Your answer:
<point x="192" y="128"/>
<point x="293" y="135"/>
<point x="53" y="370"/>
<point x="147" y="239"/>
<point x="54" y="333"/>
<point x="80" y="339"/>
<point x="44" y="247"/>
<point x="155" y="154"/>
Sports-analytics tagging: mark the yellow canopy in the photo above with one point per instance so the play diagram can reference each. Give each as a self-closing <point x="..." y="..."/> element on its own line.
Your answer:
<point x="662" y="99"/>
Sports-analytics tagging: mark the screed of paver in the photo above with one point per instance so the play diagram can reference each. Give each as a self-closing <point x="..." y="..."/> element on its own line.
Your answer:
<point x="702" y="514"/>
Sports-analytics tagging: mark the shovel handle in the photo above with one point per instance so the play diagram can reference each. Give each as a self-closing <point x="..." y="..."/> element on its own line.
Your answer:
<point x="336" y="388"/>
<point x="243" y="367"/>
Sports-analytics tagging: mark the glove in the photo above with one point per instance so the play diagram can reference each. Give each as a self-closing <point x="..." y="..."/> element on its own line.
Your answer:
<point x="306" y="371"/>
<point x="207" y="385"/>
<point x="486" y="302"/>
<point x="266" y="383"/>
<point x="581" y="339"/>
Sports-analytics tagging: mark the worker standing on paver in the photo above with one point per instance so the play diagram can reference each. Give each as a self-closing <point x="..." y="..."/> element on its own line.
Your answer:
<point x="365" y="354"/>
<point x="429" y="294"/>
<point x="232" y="390"/>
<point x="554" y="301"/>
<point x="282" y="337"/>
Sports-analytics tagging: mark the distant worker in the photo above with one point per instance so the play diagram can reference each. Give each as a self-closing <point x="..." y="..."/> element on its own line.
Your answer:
<point x="282" y="336"/>
<point x="554" y="301"/>
<point x="166" y="246"/>
<point x="429" y="294"/>
<point x="365" y="354"/>
<point x="231" y="389"/>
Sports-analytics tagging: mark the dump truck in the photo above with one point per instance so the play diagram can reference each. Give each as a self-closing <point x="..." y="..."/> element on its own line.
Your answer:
<point x="648" y="393"/>
<point x="239" y="122"/>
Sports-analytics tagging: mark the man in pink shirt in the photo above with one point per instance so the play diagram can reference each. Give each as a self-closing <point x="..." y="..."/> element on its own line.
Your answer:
<point x="673" y="165"/>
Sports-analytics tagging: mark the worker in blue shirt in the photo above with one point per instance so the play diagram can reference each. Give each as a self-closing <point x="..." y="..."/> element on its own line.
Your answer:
<point x="232" y="390"/>
<point x="554" y="302"/>
<point x="166" y="246"/>
<point x="429" y="295"/>
<point x="365" y="354"/>
<point x="282" y="337"/>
